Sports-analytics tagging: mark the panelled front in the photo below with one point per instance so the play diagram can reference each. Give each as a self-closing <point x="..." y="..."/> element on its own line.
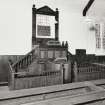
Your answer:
<point x="52" y="53"/>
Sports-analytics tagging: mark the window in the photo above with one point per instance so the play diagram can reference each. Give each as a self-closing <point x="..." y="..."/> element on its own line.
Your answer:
<point x="103" y="37"/>
<point x="98" y="38"/>
<point x="45" y="26"/>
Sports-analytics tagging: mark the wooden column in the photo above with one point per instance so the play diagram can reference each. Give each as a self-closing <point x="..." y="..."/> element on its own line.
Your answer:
<point x="33" y="25"/>
<point x="57" y="25"/>
<point x="75" y="69"/>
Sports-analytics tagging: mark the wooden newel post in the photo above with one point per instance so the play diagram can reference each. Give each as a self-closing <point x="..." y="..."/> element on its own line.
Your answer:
<point x="75" y="69"/>
<point x="63" y="68"/>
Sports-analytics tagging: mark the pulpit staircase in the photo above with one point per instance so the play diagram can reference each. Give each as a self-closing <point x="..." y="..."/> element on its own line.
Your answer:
<point x="25" y="73"/>
<point x="23" y="63"/>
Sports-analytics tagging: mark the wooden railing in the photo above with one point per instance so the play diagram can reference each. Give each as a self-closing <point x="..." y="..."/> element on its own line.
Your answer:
<point x="88" y="71"/>
<point x="26" y="60"/>
<point x="24" y="80"/>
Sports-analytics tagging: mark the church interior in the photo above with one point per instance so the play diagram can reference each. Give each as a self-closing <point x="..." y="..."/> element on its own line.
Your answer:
<point x="50" y="73"/>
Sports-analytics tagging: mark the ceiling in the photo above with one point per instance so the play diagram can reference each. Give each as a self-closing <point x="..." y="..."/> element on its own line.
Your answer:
<point x="97" y="9"/>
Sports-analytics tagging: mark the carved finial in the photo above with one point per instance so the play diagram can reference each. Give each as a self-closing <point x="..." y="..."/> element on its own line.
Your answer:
<point x="56" y="9"/>
<point x="63" y="44"/>
<point x="33" y="5"/>
<point x="66" y="44"/>
<point x="34" y="2"/>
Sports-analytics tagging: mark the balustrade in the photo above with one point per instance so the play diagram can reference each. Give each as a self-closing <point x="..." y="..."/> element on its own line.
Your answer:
<point x="89" y="71"/>
<point x="25" y="61"/>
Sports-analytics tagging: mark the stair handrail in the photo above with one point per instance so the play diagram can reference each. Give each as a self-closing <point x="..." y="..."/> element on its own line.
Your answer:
<point x="11" y="69"/>
<point x="24" y="56"/>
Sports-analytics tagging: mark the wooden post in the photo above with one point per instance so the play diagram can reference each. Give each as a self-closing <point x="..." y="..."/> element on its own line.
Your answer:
<point x="75" y="69"/>
<point x="33" y="25"/>
<point x="57" y="25"/>
<point x="63" y="68"/>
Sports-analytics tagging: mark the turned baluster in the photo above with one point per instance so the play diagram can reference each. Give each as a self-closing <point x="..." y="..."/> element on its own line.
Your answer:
<point x="22" y="64"/>
<point x="31" y="57"/>
<point x="19" y="64"/>
<point x="28" y="60"/>
<point x="15" y="68"/>
<point x="25" y="63"/>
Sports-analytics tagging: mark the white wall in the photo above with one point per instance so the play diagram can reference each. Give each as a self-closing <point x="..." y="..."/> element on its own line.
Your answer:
<point x="16" y="25"/>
